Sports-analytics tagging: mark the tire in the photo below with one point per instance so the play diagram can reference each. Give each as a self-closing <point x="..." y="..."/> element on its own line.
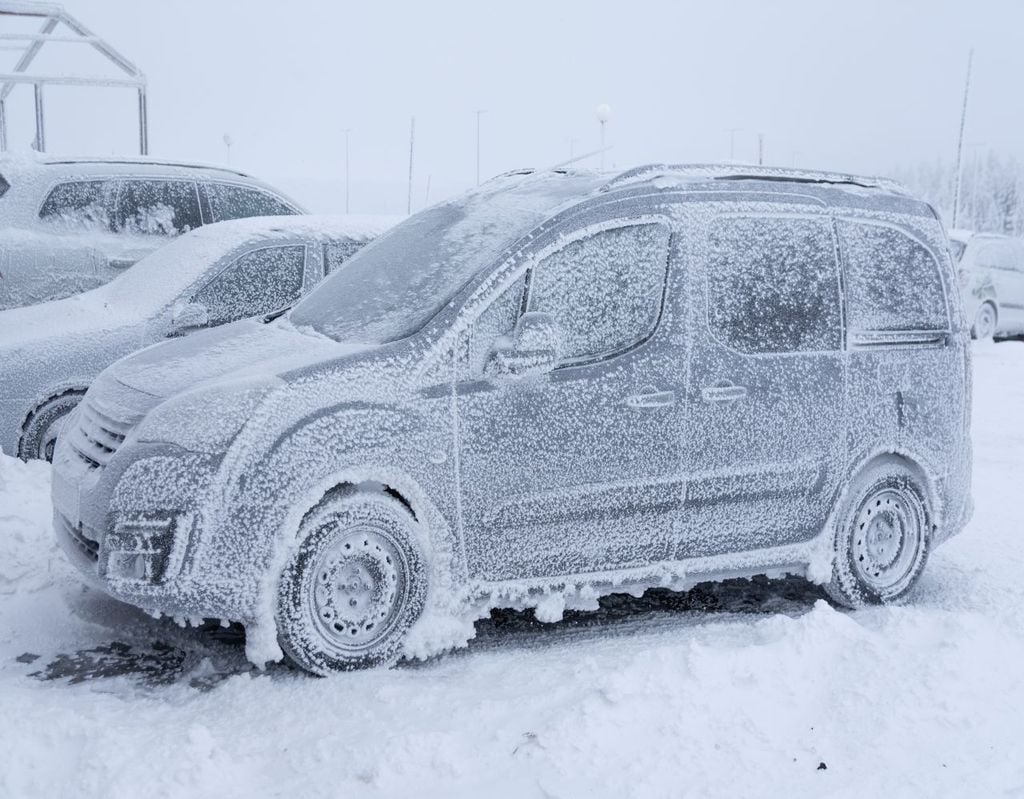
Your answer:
<point x="882" y="536"/>
<point x="986" y="322"/>
<point x="353" y="587"/>
<point x="39" y="433"/>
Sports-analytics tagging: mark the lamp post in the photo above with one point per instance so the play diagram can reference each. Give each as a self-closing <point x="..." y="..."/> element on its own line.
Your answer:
<point x="479" y="113"/>
<point x="603" y="113"/>
<point x="228" y="141"/>
<point x="347" y="132"/>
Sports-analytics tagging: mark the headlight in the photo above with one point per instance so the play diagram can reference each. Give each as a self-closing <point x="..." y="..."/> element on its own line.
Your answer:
<point x="204" y="421"/>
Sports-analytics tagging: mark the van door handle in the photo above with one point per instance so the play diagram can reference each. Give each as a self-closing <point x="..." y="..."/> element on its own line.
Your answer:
<point x="723" y="391"/>
<point x="651" y="397"/>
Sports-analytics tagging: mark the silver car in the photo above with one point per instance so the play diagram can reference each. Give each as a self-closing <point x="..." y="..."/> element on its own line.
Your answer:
<point x="51" y="353"/>
<point x="991" y="270"/>
<point x="556" y="387"/>
<point x="68" y="225"/>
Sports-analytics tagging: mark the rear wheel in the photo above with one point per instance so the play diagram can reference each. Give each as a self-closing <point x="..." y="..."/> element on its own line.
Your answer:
<point x="985" y="322"/>
<point x="354" y="586"/>
<point x="883" y="534"/>
<point x="40" y="431"/>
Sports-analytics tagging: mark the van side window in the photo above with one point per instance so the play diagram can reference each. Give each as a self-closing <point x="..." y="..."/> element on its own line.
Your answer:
<point x="893" y="281"/>
<point x="497" y="320"/>
<point x="773" y="284"/>
<point x="260" y="281"/>
<point x="80" y="204"/>
<point x="604" y="291"/>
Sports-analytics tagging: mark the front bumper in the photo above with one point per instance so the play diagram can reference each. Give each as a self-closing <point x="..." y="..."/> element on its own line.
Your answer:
<point x="129" y="525"/>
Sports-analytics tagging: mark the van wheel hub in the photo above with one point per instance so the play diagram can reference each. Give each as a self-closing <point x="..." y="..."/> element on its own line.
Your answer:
<point x="356" y="590"/>
<point x="887" y="536"/>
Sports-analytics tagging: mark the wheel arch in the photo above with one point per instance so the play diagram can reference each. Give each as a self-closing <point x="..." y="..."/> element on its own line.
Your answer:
<point x="436" y="539"/>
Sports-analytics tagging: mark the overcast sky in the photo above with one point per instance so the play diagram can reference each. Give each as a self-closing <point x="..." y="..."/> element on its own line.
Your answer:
<point x="865" y="85"/>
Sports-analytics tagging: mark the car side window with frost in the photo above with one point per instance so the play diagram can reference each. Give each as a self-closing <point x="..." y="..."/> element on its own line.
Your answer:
<point x="497" y="320"/>
<point x="893" y="280"/>
<point x="338" y="252"/>
<point x="773" y="284"/>
<point x="229" y="201"/>
<point x="157" y="207"/>
<point x="258" y="282"/>
<point x="604" y="291"/>
<point x="79" y="204"/>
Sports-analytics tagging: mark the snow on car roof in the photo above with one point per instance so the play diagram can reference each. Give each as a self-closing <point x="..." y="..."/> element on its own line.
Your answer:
<point x="24" y="161"/>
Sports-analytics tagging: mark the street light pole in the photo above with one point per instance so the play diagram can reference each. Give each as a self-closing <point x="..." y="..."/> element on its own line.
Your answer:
<point x="479" y="112"/>
<point x="347" y="132"/>
<point x="604" y="113"/>
<point x="960" y="140"/>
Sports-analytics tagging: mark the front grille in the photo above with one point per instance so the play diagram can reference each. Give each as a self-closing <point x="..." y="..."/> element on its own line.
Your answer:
<point x="86" y="545"/>
<point x="95" y="436"/>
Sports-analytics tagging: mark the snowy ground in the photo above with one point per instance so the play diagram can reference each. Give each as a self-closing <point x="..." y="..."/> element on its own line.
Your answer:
<point x="750" y="689"/>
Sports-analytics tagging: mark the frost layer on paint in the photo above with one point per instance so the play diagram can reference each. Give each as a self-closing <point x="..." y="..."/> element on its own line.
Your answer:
<point x="545" y="392"/>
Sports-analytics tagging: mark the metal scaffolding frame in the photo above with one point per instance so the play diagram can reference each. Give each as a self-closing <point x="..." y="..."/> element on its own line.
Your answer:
<point x="52" y="16"/>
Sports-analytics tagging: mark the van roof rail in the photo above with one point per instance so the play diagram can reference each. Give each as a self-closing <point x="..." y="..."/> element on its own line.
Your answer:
<point x="707" y="172"/>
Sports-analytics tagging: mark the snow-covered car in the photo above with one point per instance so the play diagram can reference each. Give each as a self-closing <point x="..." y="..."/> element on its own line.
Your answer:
<point x="68" y="225"/>
<point x="555" y="387"/>
<point x="50" y="353"/>
<point x="991" y="271"/>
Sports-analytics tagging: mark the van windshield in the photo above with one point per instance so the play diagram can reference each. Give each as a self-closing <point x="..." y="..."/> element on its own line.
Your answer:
<point x="397" y="283"/>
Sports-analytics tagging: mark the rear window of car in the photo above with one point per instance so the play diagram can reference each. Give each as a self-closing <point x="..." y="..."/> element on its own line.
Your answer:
<point x="231" y="201"/>
<point x="4" y="186"/>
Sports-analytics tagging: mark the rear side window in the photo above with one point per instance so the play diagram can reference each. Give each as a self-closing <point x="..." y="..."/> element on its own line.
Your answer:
<point x="337" y="252"/>
<point x="4" y="186"/>
<point x="893" y="281"/>
<point x="79" y="204"/>
<point x="604" y="291"/>
<point x="773" y="284"/>
<point x="157" y="207"/>
<point x="230" y="201"/>
<point x="258" y="282"/>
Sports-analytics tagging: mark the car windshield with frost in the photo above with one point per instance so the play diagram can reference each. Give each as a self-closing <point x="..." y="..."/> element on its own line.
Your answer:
<point x="395" y="285"/>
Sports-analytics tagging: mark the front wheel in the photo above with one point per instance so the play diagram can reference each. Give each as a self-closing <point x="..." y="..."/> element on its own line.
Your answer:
<point x="354" y="586"/>
<point x="985" y="322"/>
<point x="882" y="536"/>
<point x="40" y="431"/>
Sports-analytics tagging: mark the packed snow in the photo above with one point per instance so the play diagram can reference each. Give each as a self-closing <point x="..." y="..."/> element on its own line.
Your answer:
<point x="745" y="689"/>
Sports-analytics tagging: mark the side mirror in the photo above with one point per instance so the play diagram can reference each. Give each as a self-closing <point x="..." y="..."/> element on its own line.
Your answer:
<point x="188" y="316"/>
<point x="532" y="350"/>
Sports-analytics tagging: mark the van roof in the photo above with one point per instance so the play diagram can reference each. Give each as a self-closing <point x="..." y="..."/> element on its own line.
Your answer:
<point x="670" y="175"/>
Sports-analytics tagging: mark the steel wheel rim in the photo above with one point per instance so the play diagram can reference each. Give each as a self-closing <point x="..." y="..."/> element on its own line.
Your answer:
<point x="356" y="593"/>
<point x="985" y="325"/>
<point x="887" y="537"/>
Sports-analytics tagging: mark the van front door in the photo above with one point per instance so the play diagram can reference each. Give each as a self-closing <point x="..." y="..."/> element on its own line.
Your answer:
<point x="766" y="384"/>
<point x="576" y="470"/>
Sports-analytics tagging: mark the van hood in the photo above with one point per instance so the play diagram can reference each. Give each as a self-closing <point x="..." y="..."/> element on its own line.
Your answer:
<point x="246" y="349"/>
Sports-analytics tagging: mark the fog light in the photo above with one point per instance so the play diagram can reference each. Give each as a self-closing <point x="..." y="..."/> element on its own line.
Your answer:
<point x="144" y="549"/>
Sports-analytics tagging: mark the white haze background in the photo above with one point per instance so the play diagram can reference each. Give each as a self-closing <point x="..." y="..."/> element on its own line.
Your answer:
<point x="869" y="86"/>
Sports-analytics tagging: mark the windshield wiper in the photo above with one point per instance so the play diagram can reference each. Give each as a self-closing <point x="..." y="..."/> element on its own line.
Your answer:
<point x="270" y="317"/>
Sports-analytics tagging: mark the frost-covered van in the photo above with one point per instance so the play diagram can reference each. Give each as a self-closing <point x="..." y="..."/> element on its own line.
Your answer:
<point x="991" y="270"/>
<point x="68" y="225"/>
<point x="50" y="353"/>
<point x="558" y="386"/>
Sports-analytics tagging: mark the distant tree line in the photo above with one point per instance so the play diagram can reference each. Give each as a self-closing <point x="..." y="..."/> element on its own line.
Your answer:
<point x="991" y="195"/>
